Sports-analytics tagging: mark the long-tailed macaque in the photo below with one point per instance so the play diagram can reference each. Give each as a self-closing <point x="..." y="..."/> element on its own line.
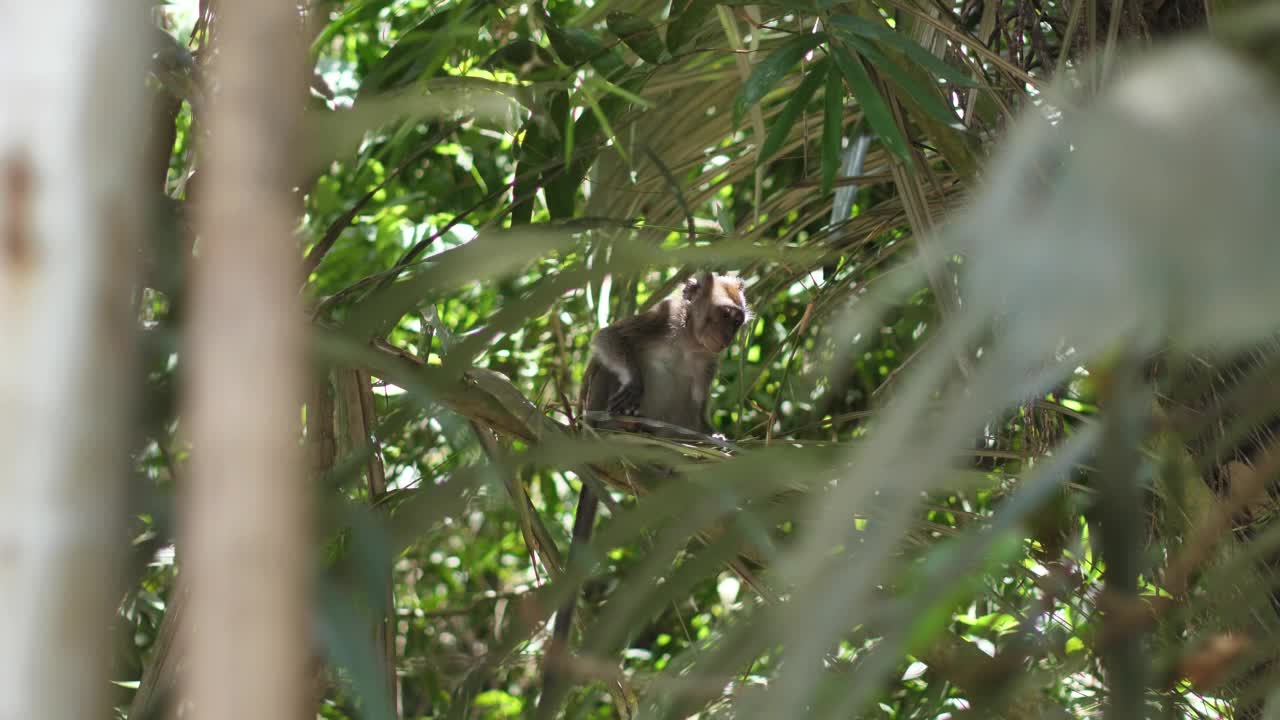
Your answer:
<point x="657" y="365"/>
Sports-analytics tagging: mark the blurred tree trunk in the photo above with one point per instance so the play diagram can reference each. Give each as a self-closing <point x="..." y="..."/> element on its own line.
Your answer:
<point x="70" y="150"/>
<point x="246" y="511"/>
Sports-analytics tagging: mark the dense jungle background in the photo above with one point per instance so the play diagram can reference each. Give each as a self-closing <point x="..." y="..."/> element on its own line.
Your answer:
<point x="999" y="432"/>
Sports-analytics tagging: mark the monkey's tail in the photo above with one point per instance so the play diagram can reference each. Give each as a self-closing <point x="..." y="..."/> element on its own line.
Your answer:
<point x="555" y="685"/>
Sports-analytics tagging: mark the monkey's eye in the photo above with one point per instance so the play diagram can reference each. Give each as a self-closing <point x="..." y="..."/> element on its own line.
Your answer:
<point x="731" y="314"/>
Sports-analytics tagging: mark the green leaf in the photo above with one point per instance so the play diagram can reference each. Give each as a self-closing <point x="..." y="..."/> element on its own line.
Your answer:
<point x="537" y="150"/>
<point x="561" y="189"/>
<point x="873" y="105"/>
<point x="832" y="130"/>
<point x="343" y="632"/>
<point x="362" y="12"/>
<point x="576" y="46"/>
<point x="583" y="139"/>
<point x="687" y="21"/>
<point x="421" y="51"/>
<point x="639" y="34"/>
<point x="492" y="255"/>
<point x="795" y="105"/>
<point x="526" y="60"/>
<point x="769" y="72"/>
<point x="927" y="97"/>
<point x="889" y="36"/>
<point x="938" y="607"/>
<point x="572" y="46"/>
<point x="803" y="5"/>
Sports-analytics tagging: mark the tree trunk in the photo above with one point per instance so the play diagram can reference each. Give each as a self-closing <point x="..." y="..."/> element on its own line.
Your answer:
<point x="70" y="151"/>
<point x="245" y="514"/>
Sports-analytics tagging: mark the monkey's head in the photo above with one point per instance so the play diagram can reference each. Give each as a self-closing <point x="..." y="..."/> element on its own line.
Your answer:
<point x="716" y="309"/>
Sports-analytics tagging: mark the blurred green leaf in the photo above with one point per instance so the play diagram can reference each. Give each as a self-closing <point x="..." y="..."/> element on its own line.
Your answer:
<point x="489" y="256"/>
<point x="347" y="639"/>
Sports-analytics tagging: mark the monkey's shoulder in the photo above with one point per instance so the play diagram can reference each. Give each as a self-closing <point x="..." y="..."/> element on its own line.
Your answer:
<point x="657" y="322"/>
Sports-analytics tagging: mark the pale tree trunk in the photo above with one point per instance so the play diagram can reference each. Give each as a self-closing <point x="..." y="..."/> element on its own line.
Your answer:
<point x="71" y="79"/>
<point x="245" y="514"/>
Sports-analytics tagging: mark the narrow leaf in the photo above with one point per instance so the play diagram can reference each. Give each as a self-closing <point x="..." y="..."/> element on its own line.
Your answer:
<point x="768" y="73"/>
<point x="927" y="97"/>
<point x="832" y="130"/>
<point x="873" y="105"/>
<point x="603" y="119"/>
<point x="882" y="32"/>
<point x="795" y="105"/>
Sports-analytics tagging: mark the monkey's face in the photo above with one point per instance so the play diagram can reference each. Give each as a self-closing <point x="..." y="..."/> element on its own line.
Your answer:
<point x="719" y="311"/>
<point x="723" y="325"/>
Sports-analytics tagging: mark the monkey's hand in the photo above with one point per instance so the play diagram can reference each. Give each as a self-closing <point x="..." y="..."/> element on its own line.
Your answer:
<point x="626" y="401"/>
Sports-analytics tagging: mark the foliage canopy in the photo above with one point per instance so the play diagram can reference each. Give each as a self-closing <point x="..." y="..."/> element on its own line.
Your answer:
<point x="488" y="182"/>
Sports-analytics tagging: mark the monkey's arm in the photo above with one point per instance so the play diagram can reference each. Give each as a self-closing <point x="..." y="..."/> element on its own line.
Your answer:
<point x="706" y="380"/>
<point x="618" y="350"/>
<point x="619" y="384"/>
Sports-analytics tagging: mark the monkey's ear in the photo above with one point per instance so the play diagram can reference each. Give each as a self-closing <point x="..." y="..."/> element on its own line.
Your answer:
<point x="696" y="284"/>
<point x="690" y="286"/>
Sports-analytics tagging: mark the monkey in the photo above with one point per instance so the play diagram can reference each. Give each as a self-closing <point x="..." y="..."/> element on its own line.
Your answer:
<point x="660" y="364"/>
<point x="657" y="365"/>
